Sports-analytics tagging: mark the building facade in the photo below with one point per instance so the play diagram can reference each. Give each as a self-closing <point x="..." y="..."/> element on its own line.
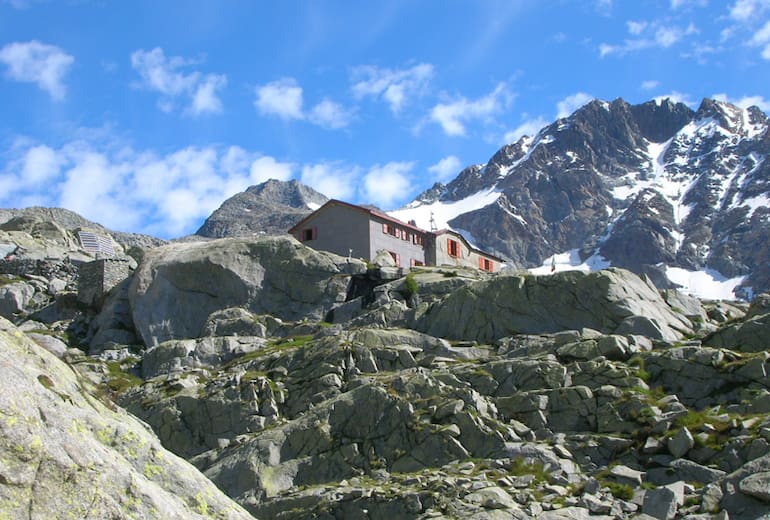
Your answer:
<point x="360" y="232"/>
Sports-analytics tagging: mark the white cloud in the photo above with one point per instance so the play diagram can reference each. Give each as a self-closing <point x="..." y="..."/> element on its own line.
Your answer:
<point x="677" y="97"/>
<point x="205" y="99"/>
<point x="566" y="106"/>
<point x="167" y="195"/>
<point x="650" y="84"/>
<point x="395" y="86"/>
<point x="636" y="27"/>
<point x="529" y="127"/>
<point x="385" y="185"/>
<point x="335" y="180"/>
<point x="745" y="10"/>
<point x="679" y="4"/>
<point x="164" y="75"/>
<point x="453" y="116"/>
<point x="329" y="114"/>
<point x="41" y="164"/>
<point x="284" y="99"/>
<point x="646" y="35"/>
<point x="281" y="98"/>
<point x="265" y="168"/>
<point x="40" y="63"/>
<point x="745" y="101"/>
<point x="446" y="168"/>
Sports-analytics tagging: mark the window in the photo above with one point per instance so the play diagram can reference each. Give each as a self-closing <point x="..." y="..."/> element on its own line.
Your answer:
<point x="486" y="264"/>
<point x="308" y="234"/>
<point x="417" y="239"/>
<point x="452" y="247"/>
<point x="415" y="263"/>
<point x="404" y="234"/>
<point x="386" y="229"/>
<point x="396" y="258"/>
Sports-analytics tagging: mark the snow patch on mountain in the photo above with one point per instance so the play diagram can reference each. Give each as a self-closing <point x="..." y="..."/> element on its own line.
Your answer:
<point x="442" y="212"/>
<point x="707" y="284"/>
<point x="570" y="261"/>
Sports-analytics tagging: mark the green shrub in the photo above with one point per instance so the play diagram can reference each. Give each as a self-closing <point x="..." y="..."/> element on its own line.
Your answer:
<point x="410" y="286"/>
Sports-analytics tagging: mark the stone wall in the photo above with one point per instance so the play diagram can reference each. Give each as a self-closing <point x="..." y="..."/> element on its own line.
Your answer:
<point x="47" y="269"/>
<point x="98" y="277"/>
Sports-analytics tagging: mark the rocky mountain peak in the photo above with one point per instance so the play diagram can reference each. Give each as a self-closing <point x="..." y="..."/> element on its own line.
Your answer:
<point x="269" y="208"/>
<point x="692" y="186"/>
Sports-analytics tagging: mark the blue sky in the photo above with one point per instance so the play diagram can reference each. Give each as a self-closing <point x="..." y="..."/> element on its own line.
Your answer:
<point x="145" y="116"/>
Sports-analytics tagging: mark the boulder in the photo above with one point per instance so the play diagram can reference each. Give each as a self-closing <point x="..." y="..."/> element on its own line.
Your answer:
<point x="14" y="298"/>
<point x="177" y="287"/>
<point x="68" y="454"/>
<point x="610" y="301"/>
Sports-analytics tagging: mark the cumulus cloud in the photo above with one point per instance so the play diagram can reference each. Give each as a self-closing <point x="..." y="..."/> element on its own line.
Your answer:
<point x="329" y="114"/>
<point x="566" y="106"/>
<point x="746" y="101"/>
<point x="167" y="195"/>
<point x="761" y="38"/>
<point x="677" y="97"/>
<point x="446" y="168"/>
<point x="205" y="99"/>
<point x="745" y="10"/>
<point x="166" y="76"/>
<point x="647" y="35"/>
<point x="39" y="63"/>
<point x="281" y="98"/>
<point x="395" y="86"/>
<point x="334" y="179"/>
<point x="452" y="116"/>
<point x="530" y="127"/>
<point x="387" y="184"/>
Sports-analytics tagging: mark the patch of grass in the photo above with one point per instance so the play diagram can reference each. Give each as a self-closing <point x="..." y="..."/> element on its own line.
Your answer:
<point x="5" y="279"/>
<point x="272" y="347"/>
<point x="637" y="362"/>
<point x="621" y="491"/>
<point x="410" y="286"/>
<point x="119" y="379"/>
<point x="520" y="467"/>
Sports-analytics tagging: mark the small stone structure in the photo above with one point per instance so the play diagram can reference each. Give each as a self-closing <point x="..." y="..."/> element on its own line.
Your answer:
<point x="98" y="277"/>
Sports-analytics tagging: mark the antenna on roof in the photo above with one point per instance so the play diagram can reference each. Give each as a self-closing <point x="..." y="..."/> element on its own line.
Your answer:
<point x="432" y="222"/>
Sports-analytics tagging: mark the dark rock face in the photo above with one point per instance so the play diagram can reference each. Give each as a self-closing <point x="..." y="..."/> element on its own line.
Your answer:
<point x="640" y="184"/>
<point x="269" y="208"/>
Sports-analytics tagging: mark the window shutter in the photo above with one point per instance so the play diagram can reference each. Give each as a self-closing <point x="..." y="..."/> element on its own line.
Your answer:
<point x="398" y="260"/>
<point x="482" y="264"/>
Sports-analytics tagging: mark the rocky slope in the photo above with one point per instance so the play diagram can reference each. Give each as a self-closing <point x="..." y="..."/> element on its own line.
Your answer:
<point x="269" y="208"/>
<point x="66" y="453"/>
<point x="303" y="385"/>
<point x="648" y="185"/>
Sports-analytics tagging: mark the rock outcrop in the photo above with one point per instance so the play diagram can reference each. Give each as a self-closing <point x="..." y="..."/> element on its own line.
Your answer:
<point x="178" y="286"/>
<point x="609" y="301"/>
<point x="66" y="453"/>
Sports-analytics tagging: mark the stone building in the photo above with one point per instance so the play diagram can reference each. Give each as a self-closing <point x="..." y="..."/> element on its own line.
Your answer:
<point x="360" y="232"/>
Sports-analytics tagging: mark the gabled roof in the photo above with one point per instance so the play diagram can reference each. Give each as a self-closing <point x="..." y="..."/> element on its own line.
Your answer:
<point x="387" y="218"/>
<point x="371" y="212"/>
<point x="467" y="244"/>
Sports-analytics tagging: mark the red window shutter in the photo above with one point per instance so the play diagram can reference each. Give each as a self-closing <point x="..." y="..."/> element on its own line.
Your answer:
<point x="385" y="228"/>
<point x="482" y="263"/>
<point x="398" y="260"/>
<point x="412" y="262"/>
